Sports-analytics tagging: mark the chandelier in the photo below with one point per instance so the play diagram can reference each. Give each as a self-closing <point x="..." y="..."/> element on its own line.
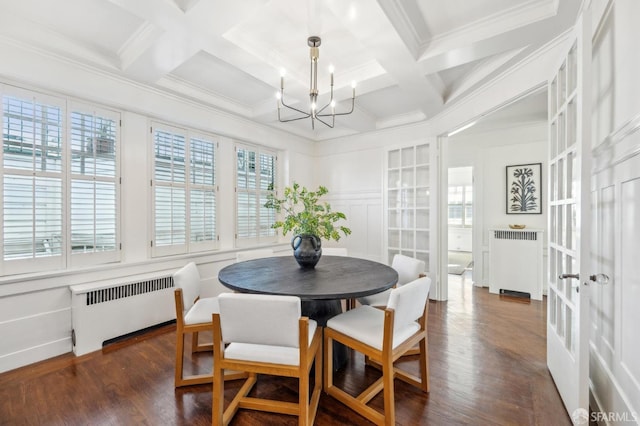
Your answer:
<point x="328" y="117"/>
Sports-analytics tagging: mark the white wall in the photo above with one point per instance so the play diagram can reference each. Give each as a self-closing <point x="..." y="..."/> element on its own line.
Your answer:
<point x="354" y="180"/>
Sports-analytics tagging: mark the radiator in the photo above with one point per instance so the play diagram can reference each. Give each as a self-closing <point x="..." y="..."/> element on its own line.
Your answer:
<point x="515" y="262"/>
<point x="106" y="310"/>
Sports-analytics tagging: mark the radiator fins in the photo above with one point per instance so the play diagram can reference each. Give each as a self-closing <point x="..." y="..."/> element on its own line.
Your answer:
<point x="127" y="290"/>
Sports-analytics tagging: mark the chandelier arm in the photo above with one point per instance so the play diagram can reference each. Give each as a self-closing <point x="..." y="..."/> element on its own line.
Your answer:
<point x="303" y="117"/>
<point x="325" y="123"/>
<point x="339" y="113"/>
<point x="292" y="119"/>
<point x="307" y="115"/>
<point x="322" y="109"/>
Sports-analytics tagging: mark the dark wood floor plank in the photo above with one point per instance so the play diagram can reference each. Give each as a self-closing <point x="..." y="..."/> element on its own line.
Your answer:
<point x="487" y="362"/>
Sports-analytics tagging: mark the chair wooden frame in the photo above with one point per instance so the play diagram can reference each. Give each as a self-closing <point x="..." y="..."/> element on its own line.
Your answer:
<point x="384" y="360"/>
<point x="306" y="407"/>
<point x="182" y="330"/>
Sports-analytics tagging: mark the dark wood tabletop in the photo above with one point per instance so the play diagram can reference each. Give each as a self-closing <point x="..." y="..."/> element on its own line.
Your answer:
<point x="334" y="277"/>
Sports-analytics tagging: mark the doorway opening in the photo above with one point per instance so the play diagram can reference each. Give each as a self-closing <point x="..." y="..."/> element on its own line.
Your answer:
<point x="460" y="224"/>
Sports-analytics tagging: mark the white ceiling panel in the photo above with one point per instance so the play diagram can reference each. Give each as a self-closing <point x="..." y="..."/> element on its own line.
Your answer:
<point x="214" y="75"/>
<point x="88" y="22"/>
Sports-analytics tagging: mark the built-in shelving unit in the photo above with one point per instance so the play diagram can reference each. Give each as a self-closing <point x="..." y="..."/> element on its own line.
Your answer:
<point x="407" y="198"/>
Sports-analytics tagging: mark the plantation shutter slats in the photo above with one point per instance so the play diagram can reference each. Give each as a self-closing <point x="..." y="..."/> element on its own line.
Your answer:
<point x="93" y="182"/>
<point x="60" y="183"/>
<point x="203" y="192"/>
<point x="184" y="191"/>
<point x="255" y="178"/>
<point x="32" y="178"/>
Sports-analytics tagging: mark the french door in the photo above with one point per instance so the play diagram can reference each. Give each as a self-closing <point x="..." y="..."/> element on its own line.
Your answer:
<point x="569" y="224"/>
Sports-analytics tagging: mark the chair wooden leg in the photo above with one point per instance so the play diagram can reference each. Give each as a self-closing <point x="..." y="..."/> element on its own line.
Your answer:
<point x="317" y="386"/>
<point x="179" y="357"/>
<point x="388" y="392"/>
<point x="303" y="400"/>
<point x="328" y="362"/>
<point x="424" y="364"/>
<point x="196" y="346"/>
<point x="194" y="342"/>
<point x="217" y="409"/>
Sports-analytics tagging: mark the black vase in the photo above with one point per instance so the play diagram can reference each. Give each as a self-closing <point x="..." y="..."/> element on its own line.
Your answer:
<point x="307" y="249"/>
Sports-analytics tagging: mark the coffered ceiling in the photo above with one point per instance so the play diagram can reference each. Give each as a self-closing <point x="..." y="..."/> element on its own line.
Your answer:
<point x="410" y="58"/>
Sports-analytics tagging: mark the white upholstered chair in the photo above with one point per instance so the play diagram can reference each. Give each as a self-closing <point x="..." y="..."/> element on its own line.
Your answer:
<point x="383" y="336"/>
<point x="241" y="256"/>
<point x="265" y="334"/>
<point x="408" y="269"/>
<point x="335" y="251"/>
<point x="193" y="315"/>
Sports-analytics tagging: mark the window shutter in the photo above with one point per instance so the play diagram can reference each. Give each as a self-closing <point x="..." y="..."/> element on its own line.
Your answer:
<point x="202" y="191"/>
<point x="170" y="191"/>
<point x="255" y="179"/>
<point x="32" y="182"/>
<point x="184" y="191"/>
<point x="94" y="191"/>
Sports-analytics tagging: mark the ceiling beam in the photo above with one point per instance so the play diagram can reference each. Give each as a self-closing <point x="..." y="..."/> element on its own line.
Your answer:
<point x="374" y="31"/>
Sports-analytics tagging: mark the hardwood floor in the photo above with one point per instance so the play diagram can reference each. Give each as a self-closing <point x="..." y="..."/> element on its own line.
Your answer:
<point x="487" y="363"/>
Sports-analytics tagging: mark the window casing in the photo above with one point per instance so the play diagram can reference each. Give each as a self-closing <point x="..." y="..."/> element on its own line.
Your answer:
<point x="184" y="191"/>
<point x="59" y="192"/>
<point x="255" y="179"/>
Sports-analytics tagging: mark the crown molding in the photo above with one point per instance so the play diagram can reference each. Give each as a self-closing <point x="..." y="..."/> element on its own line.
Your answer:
<point x="500" y="23"/>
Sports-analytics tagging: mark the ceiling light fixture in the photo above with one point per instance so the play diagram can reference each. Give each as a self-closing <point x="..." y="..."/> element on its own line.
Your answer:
<point x="315" y="112"/>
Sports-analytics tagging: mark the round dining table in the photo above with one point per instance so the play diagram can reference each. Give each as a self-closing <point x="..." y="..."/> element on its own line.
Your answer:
<point x="321" y="288"/>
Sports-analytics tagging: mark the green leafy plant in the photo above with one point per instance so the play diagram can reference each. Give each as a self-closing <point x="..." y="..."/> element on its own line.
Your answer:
<point x="306" y="214"/>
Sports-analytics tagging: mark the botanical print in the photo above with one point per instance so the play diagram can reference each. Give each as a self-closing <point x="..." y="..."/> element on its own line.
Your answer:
<point x="523" y="194"/>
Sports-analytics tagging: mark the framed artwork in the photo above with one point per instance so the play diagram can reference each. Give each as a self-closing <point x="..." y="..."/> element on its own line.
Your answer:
<point x="524" y="189"/>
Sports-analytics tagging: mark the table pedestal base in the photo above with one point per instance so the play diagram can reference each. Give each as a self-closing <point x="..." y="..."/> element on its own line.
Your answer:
<point x="322" y="311"/>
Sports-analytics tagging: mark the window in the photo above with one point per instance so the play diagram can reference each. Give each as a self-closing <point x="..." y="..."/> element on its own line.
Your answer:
<point x="94" y="185"/>
<point x="255" y="178"/>
<point x="59" y="175"/>
<point x="461" y="205"/>
<point x="184" y="191"/>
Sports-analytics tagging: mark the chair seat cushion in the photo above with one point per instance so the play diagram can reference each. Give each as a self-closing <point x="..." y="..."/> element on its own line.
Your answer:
<point x="267" y="353"/>
<point x="366" y="324"/>
<point x="377" y="299"/>
<point x="201" y="311"/>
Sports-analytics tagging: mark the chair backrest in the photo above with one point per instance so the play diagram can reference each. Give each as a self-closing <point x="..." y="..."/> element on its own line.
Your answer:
<point x="408" y="301"/>
<point x="335" y="251"/>
<point x="187" y="278"/>
<point x="241" y="256"/>
<point x="260" y="319"/>
<point x="408" y="268"/>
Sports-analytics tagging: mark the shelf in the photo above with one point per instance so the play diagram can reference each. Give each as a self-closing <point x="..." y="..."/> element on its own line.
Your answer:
<point x="408" y="202"/>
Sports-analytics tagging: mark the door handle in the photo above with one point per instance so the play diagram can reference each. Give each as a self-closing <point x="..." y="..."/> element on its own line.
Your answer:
<point x="597" y="278"/>
<point x="565" y="276"/>
<point x="600" y="278"/>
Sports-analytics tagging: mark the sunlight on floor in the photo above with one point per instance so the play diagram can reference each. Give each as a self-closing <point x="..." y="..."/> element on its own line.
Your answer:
<point x="460" y="291"/>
